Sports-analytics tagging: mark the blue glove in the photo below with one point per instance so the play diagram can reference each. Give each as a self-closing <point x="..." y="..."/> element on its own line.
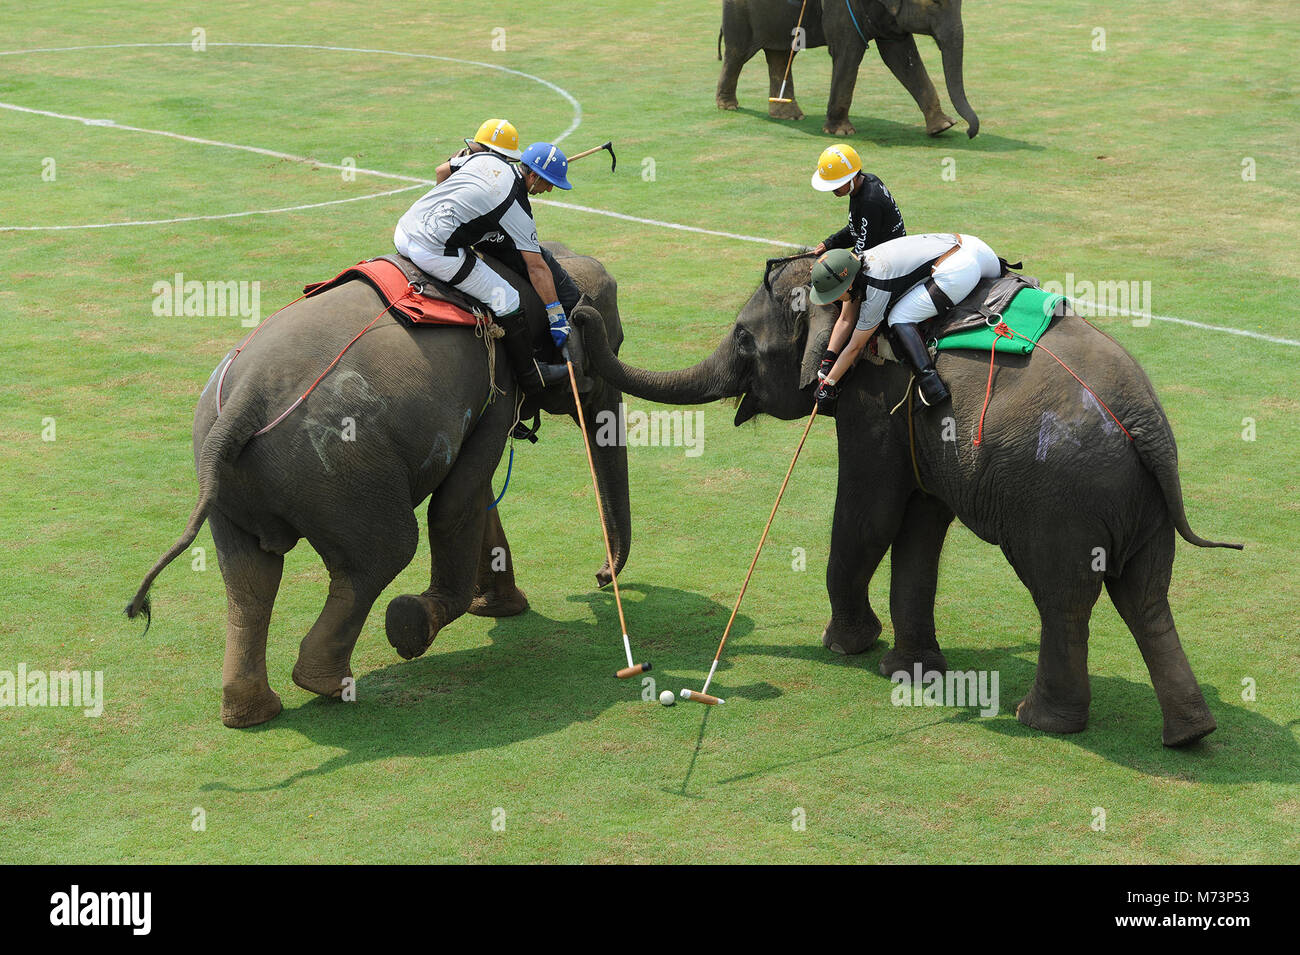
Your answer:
<point x="559" y="324"/>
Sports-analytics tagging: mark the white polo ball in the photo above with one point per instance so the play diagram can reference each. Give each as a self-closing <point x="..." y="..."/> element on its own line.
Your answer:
<point x="667" y="698"/>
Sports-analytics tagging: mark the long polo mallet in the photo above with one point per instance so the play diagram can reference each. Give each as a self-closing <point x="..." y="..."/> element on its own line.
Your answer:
<point x="703" y="695"/>
<point x="780" y="97"/>
<point x="632" y="669"/>
<point x="613" y="160"/>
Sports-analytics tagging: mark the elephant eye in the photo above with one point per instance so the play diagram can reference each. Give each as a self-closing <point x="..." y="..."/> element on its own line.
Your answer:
<point x="744" y="340"/>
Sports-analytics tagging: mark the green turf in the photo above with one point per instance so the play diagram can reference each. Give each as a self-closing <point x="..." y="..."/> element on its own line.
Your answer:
<point x="1122" y="165"/>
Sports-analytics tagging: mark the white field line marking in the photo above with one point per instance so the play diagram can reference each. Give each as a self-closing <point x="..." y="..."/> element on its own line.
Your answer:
<point x="577" y="107"/>
<point x="224" y="215"/>
<point x="1187" y="321"/>
<point x="420" y="182"/>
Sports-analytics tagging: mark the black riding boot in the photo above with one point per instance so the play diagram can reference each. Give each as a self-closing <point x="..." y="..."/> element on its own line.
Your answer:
<point x="532" y="377"/>
<point x="912" y="345"/>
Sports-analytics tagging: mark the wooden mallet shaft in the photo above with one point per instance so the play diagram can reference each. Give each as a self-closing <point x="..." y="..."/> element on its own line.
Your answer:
<point x="780" y="97"/>
<point x="631" y="667"/>
<point x="762" y="540"/>
<point x="608" y="144"/>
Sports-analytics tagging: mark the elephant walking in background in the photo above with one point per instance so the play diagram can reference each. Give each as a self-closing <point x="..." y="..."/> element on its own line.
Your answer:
<point x="1073" y="502"/>
<point x="406" y="415"/>
<point x="845" y="27"/>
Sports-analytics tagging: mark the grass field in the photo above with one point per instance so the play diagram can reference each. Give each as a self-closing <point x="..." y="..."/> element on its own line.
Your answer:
<point x="1169" y="158"/>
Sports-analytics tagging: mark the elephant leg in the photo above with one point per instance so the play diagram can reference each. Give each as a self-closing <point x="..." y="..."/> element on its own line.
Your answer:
<point x="1058" y="701"/>
<point x="913" y="580"/>
<point x="1141" y="595"/>
<point x="252" y="578"/>
<point x="904" y="61"/>
<point x="867" y="517"/>
<point x="457" y="520"/>
<point x="845" y="60"/>
<point x="776" y="67"/>
<point x="413" y="621"/>
<point x="325" y="654"/>
<point x="495" y="592"/>
<point x="732" y="61"/>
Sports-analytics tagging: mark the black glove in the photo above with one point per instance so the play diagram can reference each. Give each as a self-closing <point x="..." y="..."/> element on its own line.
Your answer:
<point x="828" y="362"/>
<point x="828" y="397"/>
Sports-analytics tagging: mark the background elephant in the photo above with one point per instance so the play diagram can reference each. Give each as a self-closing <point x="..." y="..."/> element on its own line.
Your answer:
<point x="1055" y="483"/>
<point x="845" y="27"/>
<point x="406" y="415"/>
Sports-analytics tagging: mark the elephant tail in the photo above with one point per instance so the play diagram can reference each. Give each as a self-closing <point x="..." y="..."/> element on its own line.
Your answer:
<point x="222" y="444"/>
<point x="1161" y="459"/>
<point x="719" y="43"/>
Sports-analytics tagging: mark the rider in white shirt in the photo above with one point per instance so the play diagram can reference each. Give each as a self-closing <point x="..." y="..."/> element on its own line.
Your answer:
<point x="488" y="194"/>
<point x="909" y="280"/>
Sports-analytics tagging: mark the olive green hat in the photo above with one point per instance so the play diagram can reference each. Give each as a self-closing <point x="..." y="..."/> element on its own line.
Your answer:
<point x="832" y="274"/>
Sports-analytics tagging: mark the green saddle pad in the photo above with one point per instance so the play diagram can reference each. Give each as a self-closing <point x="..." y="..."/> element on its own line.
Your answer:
<point x="1029" y="314"/>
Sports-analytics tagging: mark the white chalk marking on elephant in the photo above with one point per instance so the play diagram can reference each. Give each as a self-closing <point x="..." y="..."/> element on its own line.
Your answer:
<point x="217" y="371"/>
<point x="440" y="440"/>
<point x="1050" y="430"/>
<point x="1107" y="422"/>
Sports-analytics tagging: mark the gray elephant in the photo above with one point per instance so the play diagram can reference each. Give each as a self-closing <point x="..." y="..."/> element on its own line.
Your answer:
<point x="1055" y="483"/>
<point x="406" y="415"/>
<point x="845" y="27"/>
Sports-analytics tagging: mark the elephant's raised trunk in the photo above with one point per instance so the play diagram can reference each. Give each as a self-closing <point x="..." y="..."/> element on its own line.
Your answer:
<point x="952" y="43"/>
<point x="713" y="378"/>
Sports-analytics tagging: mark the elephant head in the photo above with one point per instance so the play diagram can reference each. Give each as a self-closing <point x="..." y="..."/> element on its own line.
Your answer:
<point x="768" y="360"/>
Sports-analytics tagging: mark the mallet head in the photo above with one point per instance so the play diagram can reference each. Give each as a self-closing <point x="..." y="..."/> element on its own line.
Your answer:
<point x="633" y="670"/>
<point x="697" y="697"/>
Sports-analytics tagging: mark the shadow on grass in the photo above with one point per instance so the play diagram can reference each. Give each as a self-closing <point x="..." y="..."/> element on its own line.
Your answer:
<point x="884" y="133"/>
<point x="1124" y="724"/>
<point x="537" y="677"/>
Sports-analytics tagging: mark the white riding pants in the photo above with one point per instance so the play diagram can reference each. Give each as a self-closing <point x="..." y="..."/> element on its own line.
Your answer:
<point x="482" y="283"/>
<point x="956" y="275"/>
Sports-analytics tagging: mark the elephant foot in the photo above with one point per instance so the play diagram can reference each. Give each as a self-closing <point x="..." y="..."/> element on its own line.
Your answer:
<point x="1034" y="712"/>
<point x="243" y="705"/>
<point x="322" y="680"/>
<point x="409" y="625"/>
<point x="905" y="660"/>
<point x="727" y="102"/>
<point x="1189" y="727"/>
<point x="789" y="110"/>
<point x="499" y="605"/>
<point x="841" y="128"/>
<point x="936" y="125"/>
<point x="850" y="640"/>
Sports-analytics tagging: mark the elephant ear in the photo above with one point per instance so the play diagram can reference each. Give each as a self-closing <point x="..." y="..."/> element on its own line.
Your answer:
<point x="820" y="322"/>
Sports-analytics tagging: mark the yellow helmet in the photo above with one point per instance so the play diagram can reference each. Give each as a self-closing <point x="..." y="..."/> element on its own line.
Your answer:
<point x="837" y="165"/>
<point x="500" y="136"/>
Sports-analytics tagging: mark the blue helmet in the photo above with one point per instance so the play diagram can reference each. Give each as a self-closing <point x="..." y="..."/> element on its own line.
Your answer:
<point x="549" y="163"/>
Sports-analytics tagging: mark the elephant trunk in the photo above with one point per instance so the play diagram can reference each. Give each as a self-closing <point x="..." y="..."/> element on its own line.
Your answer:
<point x="610" y="460"/>
<point x="713" y="378"/>
<point x="952" y="43"/>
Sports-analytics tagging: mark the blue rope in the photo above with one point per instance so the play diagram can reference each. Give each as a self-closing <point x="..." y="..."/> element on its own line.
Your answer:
<point x="849" y="7"/>
<point x="509" y="465"/>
